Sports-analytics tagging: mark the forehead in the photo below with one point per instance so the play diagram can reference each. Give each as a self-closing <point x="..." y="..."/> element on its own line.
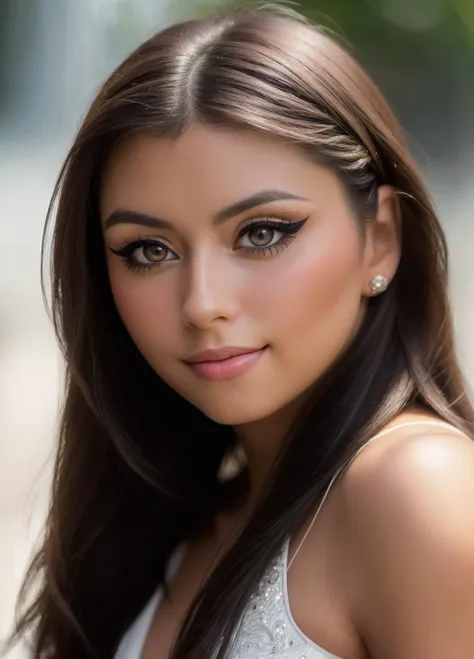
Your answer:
<point x="204" y="168"/>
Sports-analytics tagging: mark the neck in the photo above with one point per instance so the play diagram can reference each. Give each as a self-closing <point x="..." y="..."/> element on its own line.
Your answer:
<point x="261" y="442"/>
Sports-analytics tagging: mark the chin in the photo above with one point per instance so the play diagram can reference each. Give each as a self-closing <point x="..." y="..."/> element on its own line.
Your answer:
<point x="236" y="413"/>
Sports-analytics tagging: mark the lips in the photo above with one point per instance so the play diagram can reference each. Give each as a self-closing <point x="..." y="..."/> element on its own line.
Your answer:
<point x="219" y="354"/>
<point x="224" y="363"/>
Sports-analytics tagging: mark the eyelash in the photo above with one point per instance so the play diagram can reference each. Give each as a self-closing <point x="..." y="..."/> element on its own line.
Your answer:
<point x="288" y="229"/>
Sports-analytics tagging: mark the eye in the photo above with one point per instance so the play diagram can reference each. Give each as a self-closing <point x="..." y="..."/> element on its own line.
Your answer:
<point x="150" y="253"/>
<point x="267" y="236"/>
<point x="144" y="254"/>
<point x="260" y="236"/>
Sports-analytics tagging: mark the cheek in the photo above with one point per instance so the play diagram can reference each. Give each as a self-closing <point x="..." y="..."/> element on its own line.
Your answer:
<point x="314" y="297"/>
<point x="147" y="305"/>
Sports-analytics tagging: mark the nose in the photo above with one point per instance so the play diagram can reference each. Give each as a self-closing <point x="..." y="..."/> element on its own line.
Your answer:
<point x="209" y="294"/>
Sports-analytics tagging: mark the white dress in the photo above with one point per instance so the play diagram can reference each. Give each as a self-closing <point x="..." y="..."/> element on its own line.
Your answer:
<point x="268" y="629"/>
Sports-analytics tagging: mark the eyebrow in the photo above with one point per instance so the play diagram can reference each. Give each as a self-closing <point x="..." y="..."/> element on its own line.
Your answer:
<point x="123" y="216"/>
<point x="258" y="199"/>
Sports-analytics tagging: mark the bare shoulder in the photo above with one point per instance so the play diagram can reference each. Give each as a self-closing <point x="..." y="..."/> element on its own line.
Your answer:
<point x="408" y="504"/>
<point x="428" y="469"/>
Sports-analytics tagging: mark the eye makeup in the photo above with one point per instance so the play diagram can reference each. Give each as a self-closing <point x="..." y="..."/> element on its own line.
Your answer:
<point x="259" y="237"/>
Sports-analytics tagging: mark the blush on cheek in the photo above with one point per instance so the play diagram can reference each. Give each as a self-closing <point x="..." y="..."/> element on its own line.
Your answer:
<point x="313" y="280"/>
<point x="148" y="311"/>
<point x="332" y="289"/>
<point x="332" y="311"/>
<point x="310" y="309"/>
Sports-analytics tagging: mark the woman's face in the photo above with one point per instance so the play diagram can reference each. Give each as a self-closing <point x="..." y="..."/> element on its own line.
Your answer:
<point x="233" y="242"/>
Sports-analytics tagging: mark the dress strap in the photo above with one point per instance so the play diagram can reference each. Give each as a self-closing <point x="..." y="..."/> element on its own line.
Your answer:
<point x="345" y="466"/>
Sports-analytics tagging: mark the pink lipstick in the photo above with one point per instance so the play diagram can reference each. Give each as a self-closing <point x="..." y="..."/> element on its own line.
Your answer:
<point x="225" y="363"/>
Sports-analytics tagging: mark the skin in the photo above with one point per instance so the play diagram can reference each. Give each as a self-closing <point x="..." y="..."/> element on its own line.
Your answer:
<point x="361" y="585"/>
<point x="312" y="293"/>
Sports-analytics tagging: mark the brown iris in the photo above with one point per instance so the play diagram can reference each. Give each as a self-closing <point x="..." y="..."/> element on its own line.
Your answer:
<point x="154" y="253"/>
<point x="261" y="236"/>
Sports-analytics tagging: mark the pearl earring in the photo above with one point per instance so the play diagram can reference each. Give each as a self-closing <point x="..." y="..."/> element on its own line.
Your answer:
<point x="379" y="284"/>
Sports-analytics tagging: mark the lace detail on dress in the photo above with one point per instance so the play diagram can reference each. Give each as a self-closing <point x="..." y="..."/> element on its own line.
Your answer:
<point x="267" y="629"/>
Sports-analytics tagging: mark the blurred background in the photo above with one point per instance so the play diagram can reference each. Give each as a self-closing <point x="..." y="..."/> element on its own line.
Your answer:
<point x="53" y="56"/>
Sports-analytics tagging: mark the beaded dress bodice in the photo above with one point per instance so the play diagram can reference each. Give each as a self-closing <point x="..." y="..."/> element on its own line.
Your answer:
<point x="267" y="629"/>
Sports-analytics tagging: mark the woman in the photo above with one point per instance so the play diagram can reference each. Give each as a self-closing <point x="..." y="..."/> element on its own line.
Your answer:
<point x="246" y="262"/>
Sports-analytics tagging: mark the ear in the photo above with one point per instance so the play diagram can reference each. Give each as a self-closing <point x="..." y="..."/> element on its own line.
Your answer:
<point x="382" y="248"/>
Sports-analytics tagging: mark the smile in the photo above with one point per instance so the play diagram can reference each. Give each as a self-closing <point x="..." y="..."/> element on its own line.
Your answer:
<point x="224" y="364"/>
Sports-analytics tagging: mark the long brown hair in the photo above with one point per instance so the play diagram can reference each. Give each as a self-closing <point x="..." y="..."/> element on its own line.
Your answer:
<point x="137" y="466"/>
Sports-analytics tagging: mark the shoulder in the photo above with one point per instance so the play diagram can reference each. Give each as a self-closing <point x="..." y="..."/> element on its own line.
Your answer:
<point x="429" y="471"/>
<point x="408" y="506"/>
